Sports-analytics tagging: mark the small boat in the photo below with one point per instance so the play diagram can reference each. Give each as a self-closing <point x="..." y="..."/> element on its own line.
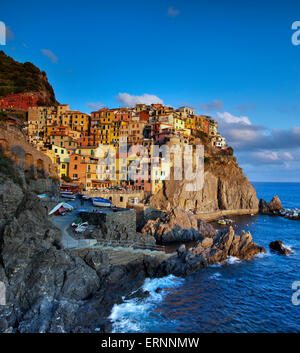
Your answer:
<point x="41" y="196"/>
<point x="100" y="202"/>
<point x="68" y="196"/>
<point x="57" y="207"/>
<point x="222" y="222"/>
<point x="68" y="207"/>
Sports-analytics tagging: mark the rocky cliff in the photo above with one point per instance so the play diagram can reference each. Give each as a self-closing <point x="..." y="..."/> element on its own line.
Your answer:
<point x="49" y="288"/>
<point x="52" y="289"/>
<point x="225" y="188"/>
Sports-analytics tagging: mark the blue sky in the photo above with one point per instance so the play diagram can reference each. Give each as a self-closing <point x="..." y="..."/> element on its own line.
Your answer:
<point x="233" y="60"/>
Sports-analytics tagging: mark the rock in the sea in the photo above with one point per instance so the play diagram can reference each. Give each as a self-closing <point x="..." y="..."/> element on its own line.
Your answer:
<point x="212" y="251"/>
<point x="178" y="225"/>
<point x="275" y="204"/>
<point x="264" y="207"/>
<point x="270" y="208"/>
<point x="140" y="293"/>
<point x="279" y="247"/>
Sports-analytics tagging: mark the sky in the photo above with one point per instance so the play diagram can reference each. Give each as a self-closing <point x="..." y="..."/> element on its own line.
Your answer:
<point x="233" y="60"/>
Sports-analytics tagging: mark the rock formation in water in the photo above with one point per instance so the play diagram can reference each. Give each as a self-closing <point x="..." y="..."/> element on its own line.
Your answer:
<point x="270" y="208"/>
<point x="215" y="250"/>
<point x="279" y="247"/>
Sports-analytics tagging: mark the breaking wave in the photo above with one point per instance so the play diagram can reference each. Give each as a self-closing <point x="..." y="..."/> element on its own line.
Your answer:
<point x="138" y="315"/>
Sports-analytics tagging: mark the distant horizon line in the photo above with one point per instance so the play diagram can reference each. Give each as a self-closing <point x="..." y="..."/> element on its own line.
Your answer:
<point x="278" y="182"/>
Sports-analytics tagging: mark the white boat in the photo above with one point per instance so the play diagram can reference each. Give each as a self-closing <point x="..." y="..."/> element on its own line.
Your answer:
<point x="41" y="196"/>
<point x="65" y="205"/>
<point x="68" y="207"/>
<point x="57" y="207"/>
<point x="68" y="196"/>
<point x="100" y="202"/>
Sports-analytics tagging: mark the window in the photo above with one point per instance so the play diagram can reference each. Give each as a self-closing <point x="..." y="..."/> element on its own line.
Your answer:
<point x="75" y="166"/>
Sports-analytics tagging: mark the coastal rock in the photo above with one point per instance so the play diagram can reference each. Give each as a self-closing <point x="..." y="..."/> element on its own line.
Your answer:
<point x="140" y="293"/>
<point x="264" y="207"/>
<point x="279" y="247"/>
<point x="275" y="204"/>
<point x="221" y="191"/>
<point x="144" y="216"/>
<point x="48" y="288"/>
<point x="271" y="208"/>
<point x="206" y="229"/>
<point x="51" y="289"/>
<point x="212" y="251"/>
<point x="178" y="225"/>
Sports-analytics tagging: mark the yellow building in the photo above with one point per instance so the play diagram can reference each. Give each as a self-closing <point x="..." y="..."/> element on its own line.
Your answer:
<point x="62" y="108"/>
<point x="115" y="133"/>
<point x="140" y="107"/>
<point x="75" y="120"/>
<point x="63" y="169"/>
<point x="62" y="153"/>
<point x="178" y="123"/>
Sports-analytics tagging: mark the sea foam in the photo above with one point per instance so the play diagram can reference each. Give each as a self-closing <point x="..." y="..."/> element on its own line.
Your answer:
<point x="134" y="314"/>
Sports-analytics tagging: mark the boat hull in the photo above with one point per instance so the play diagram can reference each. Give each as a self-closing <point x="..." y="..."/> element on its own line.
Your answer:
<point x="101" y="203"/>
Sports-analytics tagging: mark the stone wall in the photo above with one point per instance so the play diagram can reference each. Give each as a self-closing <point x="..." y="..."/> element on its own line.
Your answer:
<point x="119" y="225"/>
<point x="13" y="143"/>
<point x="118" y="228"/>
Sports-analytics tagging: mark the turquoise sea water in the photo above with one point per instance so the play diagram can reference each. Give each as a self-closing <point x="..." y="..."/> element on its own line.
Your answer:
<point x="250" y="296"/>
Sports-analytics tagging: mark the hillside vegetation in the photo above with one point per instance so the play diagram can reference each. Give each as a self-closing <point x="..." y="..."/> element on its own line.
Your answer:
<point x="16" y="77"/>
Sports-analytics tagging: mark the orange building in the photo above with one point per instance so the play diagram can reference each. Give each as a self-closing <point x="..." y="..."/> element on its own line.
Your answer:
<point x="122" y="115"/>
<point x="83" y="169"/>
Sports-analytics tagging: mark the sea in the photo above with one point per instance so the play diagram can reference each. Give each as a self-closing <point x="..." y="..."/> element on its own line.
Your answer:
<point x="236" y="296"/>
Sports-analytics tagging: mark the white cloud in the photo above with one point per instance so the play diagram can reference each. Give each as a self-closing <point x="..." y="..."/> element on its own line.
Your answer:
<point x="173" y="12"/>
<point x="129" y="100"/>
<point x="231" y="119"/>
<point x="50" y="55"/>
